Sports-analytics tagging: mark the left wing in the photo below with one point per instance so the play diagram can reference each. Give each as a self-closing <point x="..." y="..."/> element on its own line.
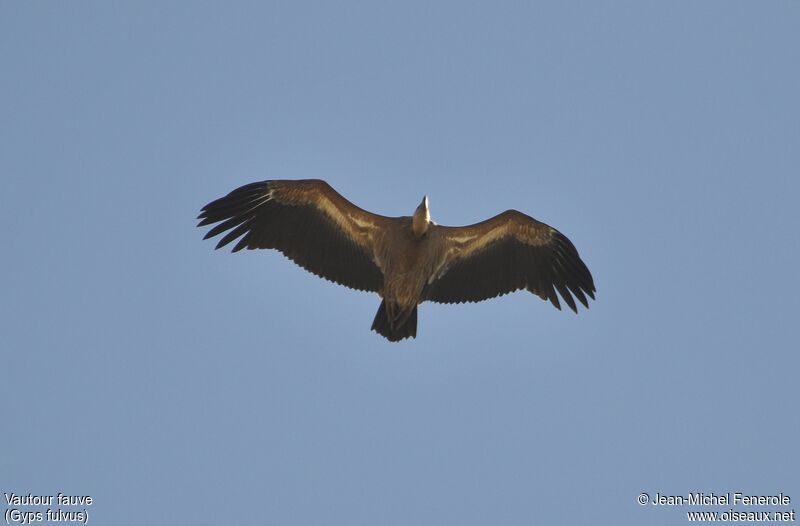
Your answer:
<point x="509" y="252"/>
<point x="309" y="222"/>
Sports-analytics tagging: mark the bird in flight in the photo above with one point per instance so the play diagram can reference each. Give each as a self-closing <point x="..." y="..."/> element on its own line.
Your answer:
<point x="406" y="260"/>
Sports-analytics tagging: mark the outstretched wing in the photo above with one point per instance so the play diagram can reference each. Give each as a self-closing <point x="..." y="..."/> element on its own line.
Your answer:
<point x="306" y="220"/>
<point x="509" y="252"/>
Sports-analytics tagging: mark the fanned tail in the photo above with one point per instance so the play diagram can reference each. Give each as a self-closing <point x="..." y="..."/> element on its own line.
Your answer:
<point x="394" y="323"/>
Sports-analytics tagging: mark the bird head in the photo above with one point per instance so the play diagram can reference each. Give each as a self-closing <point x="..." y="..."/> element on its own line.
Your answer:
<point x="422" y="217"/>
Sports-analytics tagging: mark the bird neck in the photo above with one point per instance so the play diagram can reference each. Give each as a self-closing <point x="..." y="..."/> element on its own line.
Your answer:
<point x="420" y="222"/>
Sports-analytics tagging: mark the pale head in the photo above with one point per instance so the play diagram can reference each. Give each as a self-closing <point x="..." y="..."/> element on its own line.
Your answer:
<point x="422" y="218"/>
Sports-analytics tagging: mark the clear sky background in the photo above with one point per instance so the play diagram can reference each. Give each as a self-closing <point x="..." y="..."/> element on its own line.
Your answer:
<point x="176" y="384"/>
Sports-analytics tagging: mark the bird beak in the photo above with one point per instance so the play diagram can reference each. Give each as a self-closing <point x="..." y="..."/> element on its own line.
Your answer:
<point x="424" y="203"/>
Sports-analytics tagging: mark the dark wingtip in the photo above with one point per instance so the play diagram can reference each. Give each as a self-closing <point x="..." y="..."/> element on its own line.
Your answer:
<point x="565" y="294"/>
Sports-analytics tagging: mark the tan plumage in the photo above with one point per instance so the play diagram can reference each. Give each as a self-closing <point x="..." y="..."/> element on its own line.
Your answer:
<point x="406" y="260"/>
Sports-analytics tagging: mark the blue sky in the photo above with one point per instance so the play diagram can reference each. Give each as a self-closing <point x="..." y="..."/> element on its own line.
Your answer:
<point x="174" y="382"/>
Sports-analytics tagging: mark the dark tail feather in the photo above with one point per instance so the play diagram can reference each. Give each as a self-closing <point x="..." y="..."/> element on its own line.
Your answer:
<point x="406" y="325"/>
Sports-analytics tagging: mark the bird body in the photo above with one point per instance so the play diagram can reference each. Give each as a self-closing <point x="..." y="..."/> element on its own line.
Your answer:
<point x="406" y="260"/>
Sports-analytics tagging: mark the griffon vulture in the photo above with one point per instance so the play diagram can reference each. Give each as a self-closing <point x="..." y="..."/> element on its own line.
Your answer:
<point x="406" y="260"/>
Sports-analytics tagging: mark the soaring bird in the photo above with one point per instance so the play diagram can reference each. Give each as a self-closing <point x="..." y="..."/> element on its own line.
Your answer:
<point x="406" y="260"/>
